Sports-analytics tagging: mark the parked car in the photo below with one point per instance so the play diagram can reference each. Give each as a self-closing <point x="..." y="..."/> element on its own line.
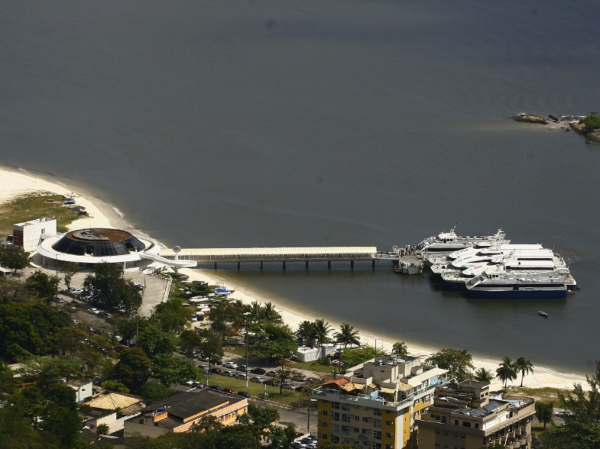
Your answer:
<point x="58" y="300"/>
<point x="216" y="388"/>
<point x="271" y="373"/>
<point x="299" y="378"/>
<point x="244" y="394"/>
<point x="288" y="386"/>
<point x="76" y="321"/>
<point x="241" y="368"/>
<point x="229" y="390"/>
<point x="231" y="365"/>
<point x="204" y="367"/>
<point x="258" y="371"/>
<point x="215" y="370"/>
<point x="257" y="379"/>
<point x="93" y="311"/>
<point x="228" y="373"/>
<point x="240" y="376"/>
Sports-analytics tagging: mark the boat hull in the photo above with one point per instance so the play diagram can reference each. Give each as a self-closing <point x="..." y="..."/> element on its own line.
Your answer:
<point x="521" y="294"/>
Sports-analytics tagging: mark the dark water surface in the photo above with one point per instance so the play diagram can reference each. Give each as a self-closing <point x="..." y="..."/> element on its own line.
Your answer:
<point x="339" y="123"/>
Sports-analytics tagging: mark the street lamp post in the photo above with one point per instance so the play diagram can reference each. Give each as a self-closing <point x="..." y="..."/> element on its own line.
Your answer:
<point x="375" y="344"/>
<point x="247" y="314"/>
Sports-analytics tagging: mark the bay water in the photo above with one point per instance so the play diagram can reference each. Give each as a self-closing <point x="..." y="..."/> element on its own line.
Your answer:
<point x="328" y="123"/>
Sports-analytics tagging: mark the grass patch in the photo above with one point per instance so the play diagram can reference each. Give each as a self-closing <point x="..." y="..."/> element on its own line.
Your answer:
<point x="537" y="427"/>
<point x="541" y="394"/>
<point x="288" y="397"/>
<point x="35" y="205"/>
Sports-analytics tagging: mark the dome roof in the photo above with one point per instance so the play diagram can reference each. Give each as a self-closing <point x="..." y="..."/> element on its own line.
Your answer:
<point x="98" y="242"/>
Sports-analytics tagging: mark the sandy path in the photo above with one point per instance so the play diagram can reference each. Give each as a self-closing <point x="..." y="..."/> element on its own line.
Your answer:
<point x="16" y="182"/>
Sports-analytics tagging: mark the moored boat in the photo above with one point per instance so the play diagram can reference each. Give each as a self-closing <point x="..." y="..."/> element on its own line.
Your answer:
<point x="498" y="283"/>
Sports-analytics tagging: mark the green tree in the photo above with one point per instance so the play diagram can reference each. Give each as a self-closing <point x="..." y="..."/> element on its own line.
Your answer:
<point x="544" y="412"/>
<point x="42" y="286"/>
<point x="113" y="385"/>
<point x="458" y="363"/>
<point x="70" y="340"/>
<point x="171" y="315"/>
<point x="484" y="375"/>
<point x="584" y="407"/>
<point x="524" y="367"/>
<point x="133" y="368"/>
<point x="102" y="429"/>
<point x="154" y="341"/>
<point x="321" y="329"/>
<point x="275" y="343"/>
<point x="506" y="371"/>
<point x="212" y="346"/>
<point x="260" y="420"/>
<point x="353" y="357"/>
<point x="346" y="336"/>
<point x="112" y="290"/>
<point x="70" y="269"/>
<point x="155" y="391"/>
<point x="399" y="348"/>
<point x="306" y="332"/>
<point x="171" y="370"/>
<point x="190" y="343"/>
<point x="208" y="424"/>
<point x="64" y="423"/>
<point x="14" y="258"/>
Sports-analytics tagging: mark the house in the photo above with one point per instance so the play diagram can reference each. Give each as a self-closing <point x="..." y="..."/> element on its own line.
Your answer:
<point x="103" y="410"/>
<point x="29" y="234"/>
<point x="83" y="389"/>
<point x="463" y="416"/>
<point x="376" y="404"/>
<point x="183" y="411"/>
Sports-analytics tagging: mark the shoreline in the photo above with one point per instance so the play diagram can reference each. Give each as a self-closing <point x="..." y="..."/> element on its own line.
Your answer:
<point x="15" y="181"/>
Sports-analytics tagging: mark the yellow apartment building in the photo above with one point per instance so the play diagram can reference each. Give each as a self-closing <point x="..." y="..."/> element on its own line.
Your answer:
<point x="375" y="405"/>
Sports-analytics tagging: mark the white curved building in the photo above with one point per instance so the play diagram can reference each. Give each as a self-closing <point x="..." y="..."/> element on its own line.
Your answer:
<point x="89" y="247"/>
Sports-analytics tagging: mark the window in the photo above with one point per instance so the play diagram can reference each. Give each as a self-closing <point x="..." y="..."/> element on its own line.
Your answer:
<point x="345" y="407"/>
<point x="389" y="423"/>
<point x="324" y="412"/>
<point x="324" y="436"/>
<point x="377" y="413"/>
<point x="377" y="422"/>
<point x="345" y="418"/>
<point x="356" y="418"/>
<point x="377" y="434"/>
<point x="324" y="425"/>
<point x="335" y="405"/>
<point x="443" y="420"/>
<point x="335" y="416"/>
<point x="466" y="424"/>
<point x="366" y="432"/>
<point x="365" y="419"/>
<point x="388" y="435"/>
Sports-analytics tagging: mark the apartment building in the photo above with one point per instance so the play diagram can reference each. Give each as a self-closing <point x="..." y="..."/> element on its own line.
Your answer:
<point x="464" y="417"/>
<point x="375" y="404"/>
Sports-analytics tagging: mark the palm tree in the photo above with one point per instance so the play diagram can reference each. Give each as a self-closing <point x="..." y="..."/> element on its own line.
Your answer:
<point x="347" y="336"/>
<point x="506" y="371"/>
<point x="399" y="348"/>
<point x="322" y="329"/>
<point x="484" y="375"/>
<point x="523" y="366"/>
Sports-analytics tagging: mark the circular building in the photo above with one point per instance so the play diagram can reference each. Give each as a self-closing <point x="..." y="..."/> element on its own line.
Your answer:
<point x="88" y="247"/>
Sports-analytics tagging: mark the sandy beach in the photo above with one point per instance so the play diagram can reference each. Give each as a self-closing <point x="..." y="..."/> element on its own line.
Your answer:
<point x="15" y="182"/>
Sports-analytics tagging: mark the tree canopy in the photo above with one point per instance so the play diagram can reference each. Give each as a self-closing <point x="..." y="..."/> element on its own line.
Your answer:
<point x="458" y="363"/>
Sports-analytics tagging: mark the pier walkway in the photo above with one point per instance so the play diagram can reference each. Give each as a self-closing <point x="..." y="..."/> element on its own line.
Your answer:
<point x="283" y="255"/>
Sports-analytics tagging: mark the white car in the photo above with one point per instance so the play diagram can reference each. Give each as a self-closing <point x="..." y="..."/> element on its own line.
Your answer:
<point x="231" y="365"/>
<point x="93" y="311"/>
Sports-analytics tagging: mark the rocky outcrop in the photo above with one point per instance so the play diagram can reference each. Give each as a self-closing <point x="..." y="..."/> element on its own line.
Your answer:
<point x="590" y="136"/>
<point x="522" y="117"/>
